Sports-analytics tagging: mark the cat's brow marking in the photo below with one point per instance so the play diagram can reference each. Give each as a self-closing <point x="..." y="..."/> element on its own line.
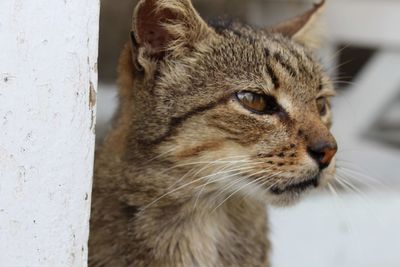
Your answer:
<point x="302" y="58"/>
<point x="177" y="121"/>
<point x="274" y="78"/>
<point x="286" y="65"/>
<point x="270" y="71"/>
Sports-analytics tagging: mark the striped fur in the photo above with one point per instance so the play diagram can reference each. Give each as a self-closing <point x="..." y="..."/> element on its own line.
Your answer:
<point x="183" y="177"/>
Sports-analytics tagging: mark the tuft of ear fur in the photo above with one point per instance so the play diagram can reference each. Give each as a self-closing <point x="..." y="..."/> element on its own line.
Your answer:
<point x="303" y="28"/>
<point x="165" y="26"/>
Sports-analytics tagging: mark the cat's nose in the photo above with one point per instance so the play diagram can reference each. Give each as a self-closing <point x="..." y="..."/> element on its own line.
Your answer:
<point x="322" y="152"/>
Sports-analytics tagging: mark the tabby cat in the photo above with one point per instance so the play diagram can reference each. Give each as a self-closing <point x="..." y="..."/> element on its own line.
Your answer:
<point x="216" y="121"/>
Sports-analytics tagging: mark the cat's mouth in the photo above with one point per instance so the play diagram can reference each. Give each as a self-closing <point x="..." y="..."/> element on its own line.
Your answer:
<point x="296" y="187"/>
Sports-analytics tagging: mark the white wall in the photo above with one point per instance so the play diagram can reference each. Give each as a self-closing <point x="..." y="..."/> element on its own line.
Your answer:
<point x="48" y="83"/>
<point x="365" y="22"/>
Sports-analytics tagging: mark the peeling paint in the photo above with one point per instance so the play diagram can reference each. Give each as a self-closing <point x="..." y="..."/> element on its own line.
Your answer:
<point x="92" y="105"/>
<point x="93" y="121"/>
<point x="92" y="96"/>
<point x="95" y="68"/>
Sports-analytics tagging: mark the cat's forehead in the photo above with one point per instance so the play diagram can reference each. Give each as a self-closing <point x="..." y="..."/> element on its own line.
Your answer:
<point x="259" y="55"/>
<point x="237" y="31"/>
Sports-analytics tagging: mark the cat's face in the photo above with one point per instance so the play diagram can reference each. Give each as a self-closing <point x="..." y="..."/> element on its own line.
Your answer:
<point x="241" y="111"/>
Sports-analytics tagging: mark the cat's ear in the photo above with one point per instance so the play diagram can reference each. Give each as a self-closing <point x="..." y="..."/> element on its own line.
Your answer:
<point x="165" y="26"/>
<point x="303" y="28"/>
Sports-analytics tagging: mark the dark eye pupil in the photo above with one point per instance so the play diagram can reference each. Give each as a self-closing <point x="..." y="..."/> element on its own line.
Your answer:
<point x="258" y="103"/>
<point x="272" y="105"/>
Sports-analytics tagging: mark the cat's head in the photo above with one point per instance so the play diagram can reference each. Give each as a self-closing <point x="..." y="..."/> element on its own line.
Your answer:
<point x="241" y="109"/>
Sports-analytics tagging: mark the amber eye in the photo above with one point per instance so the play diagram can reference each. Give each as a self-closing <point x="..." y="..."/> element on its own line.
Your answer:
<point x="259" y="103"/>
<point x="322" y="105"/>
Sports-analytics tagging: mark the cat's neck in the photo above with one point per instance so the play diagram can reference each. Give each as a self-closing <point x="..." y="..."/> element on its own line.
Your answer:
<point x="203" y="230"/>
<point x="178" y="222"/>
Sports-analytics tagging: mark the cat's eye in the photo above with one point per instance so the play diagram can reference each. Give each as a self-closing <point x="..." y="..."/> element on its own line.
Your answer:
<point x="258" y="103"/>
<point x="322" y="105"/>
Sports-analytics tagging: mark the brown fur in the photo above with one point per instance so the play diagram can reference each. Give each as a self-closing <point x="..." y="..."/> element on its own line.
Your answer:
<point x="183" y="177"/>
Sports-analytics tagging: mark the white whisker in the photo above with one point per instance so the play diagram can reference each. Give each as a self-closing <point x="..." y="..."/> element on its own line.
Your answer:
<point x="240" y="188"/>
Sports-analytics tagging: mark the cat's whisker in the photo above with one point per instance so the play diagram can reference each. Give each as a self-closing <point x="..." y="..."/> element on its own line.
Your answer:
<point x="344" y="185"/>
<point x="199" y="171"/>
<point x="241" y="188"/>
<point x="356" y="172"/>
<point x="160" y="155"/>
<point x="222" y="160"/>
<point x="173" y="191"/>
<point x="340" y="82"/>
<point x="246" y="194"/>
<point x="332" y="190"/>
<point x="238" y="177"/>
<point x="347" y="150"/>
<point x="338" y="66"/>
<point x="344" y="181"/>
<point x="227" y="198"/>
<point x="268" y="179"/>
<point x="342" y="77"/>
<point x="237" y="182"/>
<point x="344" y="161"/>
<point x="170" y="192"/>
<point x="244" y="169"/>
<point x="363" y="178"/>
<point x="334" y="56"/>
<point x="366" y="200"/>
<point x="344" y="83"/>
<point x="339" y="205"/>
<point x="349" y="184"/>
<point x="361" y="194"/>
<point x="224" y="169"/>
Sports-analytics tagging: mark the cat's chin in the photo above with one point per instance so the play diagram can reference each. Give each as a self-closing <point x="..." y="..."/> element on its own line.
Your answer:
<point x="291" y="195"/>
<point x="286" y="199"/>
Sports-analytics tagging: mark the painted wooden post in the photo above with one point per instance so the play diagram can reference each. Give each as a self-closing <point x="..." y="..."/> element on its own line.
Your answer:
<point x="48" y="84"/>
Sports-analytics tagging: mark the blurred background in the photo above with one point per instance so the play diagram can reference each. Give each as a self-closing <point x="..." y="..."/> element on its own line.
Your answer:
<point x="356" y="223"/>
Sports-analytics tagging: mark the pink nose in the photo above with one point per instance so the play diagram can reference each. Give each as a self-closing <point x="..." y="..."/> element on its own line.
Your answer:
<point x="323" y="153"/>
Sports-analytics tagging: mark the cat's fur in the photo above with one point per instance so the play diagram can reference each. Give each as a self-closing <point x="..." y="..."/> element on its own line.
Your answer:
<point x="184" y="175"/>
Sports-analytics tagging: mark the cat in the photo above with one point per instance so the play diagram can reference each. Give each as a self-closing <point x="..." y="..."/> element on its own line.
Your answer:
<point x="216" y="121"/>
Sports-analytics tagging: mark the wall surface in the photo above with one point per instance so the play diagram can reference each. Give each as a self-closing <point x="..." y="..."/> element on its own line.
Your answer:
<point x="48" y="84"/>
<point x="365" y="22"/>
